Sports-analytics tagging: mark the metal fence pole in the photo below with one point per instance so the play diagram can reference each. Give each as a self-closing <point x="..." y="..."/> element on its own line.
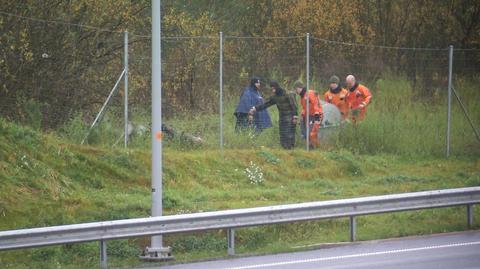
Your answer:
<point x="221" y="89"/>
<point x="353" y="228"/>
<point x="125" y="84"/>
<point x="307" y="112"/>
<point x="103" y="254"/>
<point x="104" y="106"/>
<point x="449" y="105"/>
<point x="231" y="241"/>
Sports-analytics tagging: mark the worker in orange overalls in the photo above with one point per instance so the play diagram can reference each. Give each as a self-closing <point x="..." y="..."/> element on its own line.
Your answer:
<point x="338" y="96"/>
<point x="315" y="112"/>
<point x="358" y="99"/>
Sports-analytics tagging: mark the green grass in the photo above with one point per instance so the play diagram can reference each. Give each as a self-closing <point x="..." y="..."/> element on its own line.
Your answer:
<point x="400" y="123"/>
<point x="46" y="180"/>
<point x="400" y="120"/>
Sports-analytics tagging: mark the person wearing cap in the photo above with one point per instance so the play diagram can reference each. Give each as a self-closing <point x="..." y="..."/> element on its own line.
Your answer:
<point x="315" y="112"/>
<point x="251" y="97"/>
<point x="287" y="113"/>
<point x="337" y="96"/>
<point x="358" y="98"/>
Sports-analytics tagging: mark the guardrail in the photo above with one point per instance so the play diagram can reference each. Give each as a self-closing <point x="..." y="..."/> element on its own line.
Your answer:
<point x="236" y="218"/>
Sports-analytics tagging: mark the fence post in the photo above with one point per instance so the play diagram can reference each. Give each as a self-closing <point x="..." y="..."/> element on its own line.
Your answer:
<point x="221" y="89"/>
<point x="353" y="228"/>
<point x="470" y="216"/>
<point x="449" y="105"/>
<point x="307" y="112"/>
<point x="125" y="84"/>
<point x="231" y="241"/>
<point x="103" y="254"/>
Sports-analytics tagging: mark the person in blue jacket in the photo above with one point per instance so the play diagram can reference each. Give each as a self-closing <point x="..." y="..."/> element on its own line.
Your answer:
<point x="251" y="97"/>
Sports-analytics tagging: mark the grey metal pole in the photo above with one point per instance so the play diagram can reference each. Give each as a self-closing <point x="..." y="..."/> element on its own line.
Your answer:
<point x="103" y="254"/>
<point x="221" y="89"/>
<point x="353" y="228"/>
<point x="307" y="112"/>
<point x="449" y="105"/>
<point x="125" y="84"/>
<point x="157" y="251"/>
<point x="156" y="118"/>
<point x="231" y="241"/>
<point x="104" y="106"/>
<point x="470" y="216"/>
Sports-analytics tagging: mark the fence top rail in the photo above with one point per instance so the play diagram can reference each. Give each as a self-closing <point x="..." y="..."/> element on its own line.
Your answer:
<point x="259" y="211"/>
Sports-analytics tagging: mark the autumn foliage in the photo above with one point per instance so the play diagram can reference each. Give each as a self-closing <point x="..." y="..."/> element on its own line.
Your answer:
<point x="66" y="55"/>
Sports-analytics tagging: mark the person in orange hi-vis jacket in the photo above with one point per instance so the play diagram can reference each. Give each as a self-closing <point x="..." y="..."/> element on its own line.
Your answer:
<point x="358" y="98"/>
<point x="315" y="112"/>
<point x="338" y="96"/>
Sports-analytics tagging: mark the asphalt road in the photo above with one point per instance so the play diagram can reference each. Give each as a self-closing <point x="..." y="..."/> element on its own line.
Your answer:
<point x="454" y="250"/>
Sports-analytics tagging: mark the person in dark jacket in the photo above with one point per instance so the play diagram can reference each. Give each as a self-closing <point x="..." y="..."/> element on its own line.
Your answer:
<point x="251" y="96"/>
<point x="287" y="113"/>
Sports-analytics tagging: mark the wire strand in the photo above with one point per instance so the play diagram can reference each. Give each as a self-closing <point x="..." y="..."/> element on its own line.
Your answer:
<point x="263" y="37"/>
<point x="376" y="46"/>
<point x="230" y="37"/>
<point x="60" y="22"/>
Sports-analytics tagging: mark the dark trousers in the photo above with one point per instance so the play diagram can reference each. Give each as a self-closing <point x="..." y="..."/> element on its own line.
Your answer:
<point x="287" y="131"/>
<point x="242" y="122"/>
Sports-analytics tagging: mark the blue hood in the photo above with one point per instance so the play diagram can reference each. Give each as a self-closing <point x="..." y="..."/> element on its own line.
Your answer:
<point x="250" y="98"/>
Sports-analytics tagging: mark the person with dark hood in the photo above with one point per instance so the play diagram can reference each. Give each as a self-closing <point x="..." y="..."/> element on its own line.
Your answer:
<point x="338" y="96"/>
<point x="287" y="113"/>
<point x="251" y="96"/>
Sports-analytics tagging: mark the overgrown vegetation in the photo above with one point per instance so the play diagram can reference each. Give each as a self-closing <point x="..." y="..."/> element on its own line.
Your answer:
<point x="66" y="56"/>
<point x="398" y="122"/>
<point x="49" y="181"/>
<point x="54" y="77"/>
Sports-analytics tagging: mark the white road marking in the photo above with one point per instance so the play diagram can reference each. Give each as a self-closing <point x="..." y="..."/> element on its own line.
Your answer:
<point x="322" y="244"/>
<point x="354" y="255"/>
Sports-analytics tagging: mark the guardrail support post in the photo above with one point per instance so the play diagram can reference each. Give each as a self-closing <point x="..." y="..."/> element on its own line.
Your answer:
<point x="470" y="216"/>
<point x="353" y="228"/>
<point x="231" y="241"/>
<point x="103" y="254"/>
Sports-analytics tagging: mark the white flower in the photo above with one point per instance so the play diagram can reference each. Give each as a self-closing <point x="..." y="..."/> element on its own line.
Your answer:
<point x="254" y="173"/>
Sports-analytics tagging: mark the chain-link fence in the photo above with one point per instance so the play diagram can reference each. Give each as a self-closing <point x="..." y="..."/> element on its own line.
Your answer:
<point x="73" y="78"/>
<point x="280" y="59"/>
<point x="56" y="76"/>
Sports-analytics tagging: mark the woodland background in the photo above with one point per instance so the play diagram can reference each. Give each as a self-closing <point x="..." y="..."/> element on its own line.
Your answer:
<point x="53" y="63"/>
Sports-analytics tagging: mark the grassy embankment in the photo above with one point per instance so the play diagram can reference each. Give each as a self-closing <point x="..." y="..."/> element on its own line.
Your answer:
<point x="48" y="180"/>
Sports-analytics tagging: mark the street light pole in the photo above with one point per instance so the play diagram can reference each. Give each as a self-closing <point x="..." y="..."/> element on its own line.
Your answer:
<point x="157" y="251"/>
